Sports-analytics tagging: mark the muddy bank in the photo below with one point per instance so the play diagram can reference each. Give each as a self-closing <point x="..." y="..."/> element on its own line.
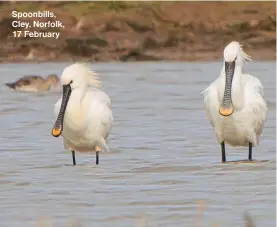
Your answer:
<point x="132" y="31"/>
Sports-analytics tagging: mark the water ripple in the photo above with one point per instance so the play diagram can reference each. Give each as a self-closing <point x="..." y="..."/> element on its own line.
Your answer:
<point x="164" y="156"/>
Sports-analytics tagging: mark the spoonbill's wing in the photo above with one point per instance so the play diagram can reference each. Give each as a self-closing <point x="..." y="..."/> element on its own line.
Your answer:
<point x="102" y="103"/>
<point x="211" y="103"/>
<point x="254" y="83"/>
<point x="255" y="105"/>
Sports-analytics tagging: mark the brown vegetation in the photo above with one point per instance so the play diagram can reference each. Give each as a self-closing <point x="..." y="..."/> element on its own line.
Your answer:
<point x="139" y="31"/>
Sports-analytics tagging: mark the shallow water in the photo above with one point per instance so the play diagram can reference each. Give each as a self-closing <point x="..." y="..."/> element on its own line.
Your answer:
<point x="164" y="161"/>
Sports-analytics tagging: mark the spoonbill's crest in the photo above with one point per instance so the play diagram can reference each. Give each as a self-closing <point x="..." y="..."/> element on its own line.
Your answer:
<point x="234" y="52"/>
<point x="79" y="75"/>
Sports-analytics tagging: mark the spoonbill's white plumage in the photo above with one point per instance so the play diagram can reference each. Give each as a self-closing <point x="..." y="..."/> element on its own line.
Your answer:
<point x="235" y="104"/>
<point x="84" y="115"/>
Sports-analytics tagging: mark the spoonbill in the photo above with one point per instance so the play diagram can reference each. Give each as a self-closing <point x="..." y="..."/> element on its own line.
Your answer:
<point x="235" y="104"/>
<point x="84" y="115"/>
<point x="34" y="83"/>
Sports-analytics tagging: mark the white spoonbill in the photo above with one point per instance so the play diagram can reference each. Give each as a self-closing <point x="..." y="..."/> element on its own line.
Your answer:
<point x="84" y="115"/>
<point x="235" y="103"/>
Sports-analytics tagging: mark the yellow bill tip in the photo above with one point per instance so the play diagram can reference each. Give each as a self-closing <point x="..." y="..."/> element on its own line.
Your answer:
<point x="226" y="111"/>
<point x="56" y="131"/>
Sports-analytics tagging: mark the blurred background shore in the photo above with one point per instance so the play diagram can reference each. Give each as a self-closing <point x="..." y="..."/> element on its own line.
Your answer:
<point x="142" y="31"/>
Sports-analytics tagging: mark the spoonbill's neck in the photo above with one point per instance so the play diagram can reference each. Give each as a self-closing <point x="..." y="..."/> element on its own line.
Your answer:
<point x="74" y="106"/>
<point x="238" y="70"/>
<point x="234" y="90"/>
<point x="78" y="94"/>
<point x="238" y="88"/>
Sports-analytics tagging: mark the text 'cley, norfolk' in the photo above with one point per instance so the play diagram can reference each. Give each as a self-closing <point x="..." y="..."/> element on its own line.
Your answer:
<point x="48" y="24"/>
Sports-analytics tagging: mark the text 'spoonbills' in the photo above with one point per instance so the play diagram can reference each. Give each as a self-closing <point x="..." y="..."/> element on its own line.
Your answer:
<point x="35" y="24"/>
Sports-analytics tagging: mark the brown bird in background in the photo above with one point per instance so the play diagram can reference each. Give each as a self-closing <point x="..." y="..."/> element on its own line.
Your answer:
<point x="34" y="83"/>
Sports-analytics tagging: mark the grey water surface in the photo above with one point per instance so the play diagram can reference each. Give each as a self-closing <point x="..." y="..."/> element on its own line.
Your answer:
<point x="164" y="161"/>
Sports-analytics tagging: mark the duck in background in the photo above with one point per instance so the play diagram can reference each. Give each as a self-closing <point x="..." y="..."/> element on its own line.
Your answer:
<point x="34" y="83"/>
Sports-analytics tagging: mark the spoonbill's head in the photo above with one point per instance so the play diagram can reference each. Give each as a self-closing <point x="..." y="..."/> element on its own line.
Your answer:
<point x="76" y="76"/>
<point x="233" y="52"/>
<point x="233" y="56"/>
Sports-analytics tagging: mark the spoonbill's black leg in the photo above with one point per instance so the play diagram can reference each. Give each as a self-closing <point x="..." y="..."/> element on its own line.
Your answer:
<point x="97" y="157"/>
<point x="250" y="152"/>
<point x="223" y="152"/>
<point x="73" y="158"/>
